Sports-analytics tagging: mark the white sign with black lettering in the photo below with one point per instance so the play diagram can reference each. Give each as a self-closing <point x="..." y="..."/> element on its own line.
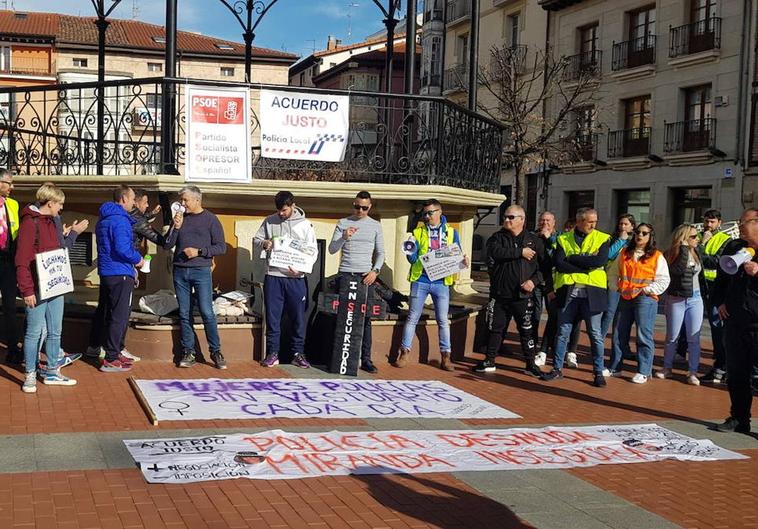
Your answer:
<point x="293" y="253"/>
<point x="443" y="262"/>
<point x="54" y="273"/>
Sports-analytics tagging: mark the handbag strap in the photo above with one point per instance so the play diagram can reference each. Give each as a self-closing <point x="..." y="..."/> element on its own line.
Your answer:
<point x="36" y="234"/>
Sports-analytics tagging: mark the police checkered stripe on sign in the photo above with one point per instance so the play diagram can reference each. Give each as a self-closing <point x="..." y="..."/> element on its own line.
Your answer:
<point x="330" y="137"/>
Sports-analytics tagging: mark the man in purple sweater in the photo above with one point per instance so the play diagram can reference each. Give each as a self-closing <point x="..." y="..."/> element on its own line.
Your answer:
<point x="198" y="237"/>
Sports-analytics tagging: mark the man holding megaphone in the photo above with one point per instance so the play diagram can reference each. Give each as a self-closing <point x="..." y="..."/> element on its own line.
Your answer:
<point x="735" y="294"/>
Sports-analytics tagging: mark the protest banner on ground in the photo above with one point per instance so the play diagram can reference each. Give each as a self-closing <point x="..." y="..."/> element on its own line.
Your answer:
<point x="287" y="398"/>
<point x="283" y="455"/>
<point x="293" y="253"/>
<point x="54" y="273"/>
<point x="304" y="126"/>
<point x="446" y="261"/>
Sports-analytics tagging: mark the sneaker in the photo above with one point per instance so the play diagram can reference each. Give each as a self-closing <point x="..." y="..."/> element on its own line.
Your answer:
<point x="129" y="356"/>
<point x="402" y="357"/>
<point x="532" y="369"/>
<point x="714" y="376"/>
<point x="693" y="380"/>
<point x="571" y="360"/>
<point x="218" y="360"/>
<point x="188" y="359"/>
<point x="664" y="373"/>
<point x="540" y="359"/>
<point x="69" y="359"/>
<point x="30" y="383"/>
<point x="125" y="360"/>
<point x="552" y="375"/>
<point x="734" y="425"/>
<point x="613" y="374"/>
<point x="369" y="367"/>
<point x="485" y="366"/>
<point x="56" y="379"/>
<point x="599" y="381"/>
<point x="639" y="378"/>
<point x="606" y="372"/>
<point x="299" y="361"/>
<point x="271" y="360"/>
<point x="94" y="352"/>
<point x="115" y="366"/>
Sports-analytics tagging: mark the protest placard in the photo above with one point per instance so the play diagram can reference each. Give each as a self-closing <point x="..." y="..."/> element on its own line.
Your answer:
<point x="293" y="253"/>
<point x="54" y="273"/>
<point x="443" y="262"/>
<point x="283" y="455"/>
<point x="334" y="398"/>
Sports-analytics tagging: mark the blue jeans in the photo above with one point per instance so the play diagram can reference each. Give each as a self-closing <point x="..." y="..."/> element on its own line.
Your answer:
<point x="46" y="315"/>
<point x="579" y="308"/>
<point x="197" y="280"/>
<point x="441" y="298"/>
<point x="609" y="315"/>
<point x="690" y="312"/>
<point x="640" y="311"/>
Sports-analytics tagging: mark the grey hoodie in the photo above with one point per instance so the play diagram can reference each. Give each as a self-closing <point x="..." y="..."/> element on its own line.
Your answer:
<point x="295" y="227"/>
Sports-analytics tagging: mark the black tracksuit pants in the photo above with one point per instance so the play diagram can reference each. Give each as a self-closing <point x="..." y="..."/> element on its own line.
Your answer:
<point x="742" y="355"/>
<point x="499" y="314"/>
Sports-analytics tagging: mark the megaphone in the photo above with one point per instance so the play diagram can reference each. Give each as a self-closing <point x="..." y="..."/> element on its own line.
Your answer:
<point x="410" y="246"/>
<point x="731" y="263"/>
<point x="176" y="207"/>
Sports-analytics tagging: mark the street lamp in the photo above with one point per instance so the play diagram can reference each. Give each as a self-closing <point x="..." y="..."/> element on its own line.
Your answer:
<point x="393" y="6"/>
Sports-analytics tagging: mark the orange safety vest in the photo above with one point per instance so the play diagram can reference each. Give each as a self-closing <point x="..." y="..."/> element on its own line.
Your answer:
<point x="635" y="275"/>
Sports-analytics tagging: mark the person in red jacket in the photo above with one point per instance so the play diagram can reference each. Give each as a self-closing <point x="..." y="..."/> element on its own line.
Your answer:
<point x="38" y="233"/>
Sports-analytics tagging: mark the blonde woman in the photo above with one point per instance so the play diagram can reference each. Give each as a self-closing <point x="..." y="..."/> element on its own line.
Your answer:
<point x="683" y="304"/>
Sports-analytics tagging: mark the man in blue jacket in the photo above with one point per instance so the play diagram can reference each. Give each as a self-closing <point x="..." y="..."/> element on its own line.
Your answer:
<point x="117" y="260"/>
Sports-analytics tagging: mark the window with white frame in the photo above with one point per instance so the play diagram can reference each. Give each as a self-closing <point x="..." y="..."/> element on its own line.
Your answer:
<point x="79" y="62"/>
<point x="154" y="67"/>
<point x="227" y="71"/>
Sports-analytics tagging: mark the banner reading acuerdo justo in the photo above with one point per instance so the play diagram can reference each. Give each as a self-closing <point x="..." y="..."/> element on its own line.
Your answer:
<point x="303" y="126"/>
<point x="218" y="135"/>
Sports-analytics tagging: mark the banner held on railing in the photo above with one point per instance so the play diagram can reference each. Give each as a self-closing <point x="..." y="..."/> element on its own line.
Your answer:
<point x="303" y="126"/>
<point x="218" y="135"/>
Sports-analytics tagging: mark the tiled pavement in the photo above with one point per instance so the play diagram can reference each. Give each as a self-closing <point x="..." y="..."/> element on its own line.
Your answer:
<point x="63" y="464"/>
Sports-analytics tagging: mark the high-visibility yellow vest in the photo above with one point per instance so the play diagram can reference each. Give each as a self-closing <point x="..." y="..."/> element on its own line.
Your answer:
<point x="712" y="247"/>
<point x="12" y="219"/>
<point x="422" y="239"/>
<point x="590" y="245"/>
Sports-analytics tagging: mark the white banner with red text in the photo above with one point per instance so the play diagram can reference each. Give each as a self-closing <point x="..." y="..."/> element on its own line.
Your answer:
<point x="187" y="400"/>
<point x="277" y="454"/>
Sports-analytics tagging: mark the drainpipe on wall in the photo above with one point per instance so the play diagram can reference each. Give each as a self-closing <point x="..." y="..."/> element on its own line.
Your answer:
<point x="743" y="92"/>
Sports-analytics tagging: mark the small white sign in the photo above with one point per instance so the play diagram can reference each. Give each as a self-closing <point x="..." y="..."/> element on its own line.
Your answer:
<point x="218" y="135"/>
<point x="444" y="262"/>
<point x="303" y="126"/>
<point x="293" y="253"/>
<point x="54" y="273"/>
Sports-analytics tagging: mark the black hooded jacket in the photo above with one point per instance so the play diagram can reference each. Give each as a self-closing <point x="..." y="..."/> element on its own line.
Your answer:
<point x="508" y="269"/>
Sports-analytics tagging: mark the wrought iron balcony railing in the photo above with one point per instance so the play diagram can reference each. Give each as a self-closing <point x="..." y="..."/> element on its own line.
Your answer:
<point x="581" y="146"/>
<point x="431" y="79"/>
<point x="583" y="64"/>
<point x="457" y="10"/>
<point x="702" y="35"/>
<point x="456" y="78"/>
<point x="393" y="138"/>
<point x="628" y="143"/>
<point x="633" y="53"/>
<point x="688" y="136"/>
<point x="432" y="15"/>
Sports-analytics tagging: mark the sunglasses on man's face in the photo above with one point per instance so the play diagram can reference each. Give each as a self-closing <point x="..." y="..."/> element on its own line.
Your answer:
<point x="430" y="212"/>
<point x="362" y="208"/>
<point x="511" y="217"/>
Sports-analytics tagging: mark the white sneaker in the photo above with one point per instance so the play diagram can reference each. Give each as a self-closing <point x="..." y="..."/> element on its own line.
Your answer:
<point x="95" y="352"/>
<point x="130" y="356"/>
<point x="665" y="373"/>
<point x="540" y="358"/>
<point x="30" y="383"/>
<point x="606" y="373"/>
<point x="639" y="378"/>
<point x="693" y="380"/>
<point x="571" y="360"/>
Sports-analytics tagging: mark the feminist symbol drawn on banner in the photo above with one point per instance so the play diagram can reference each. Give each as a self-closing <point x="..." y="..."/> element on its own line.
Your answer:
<point x="174" y="405"/>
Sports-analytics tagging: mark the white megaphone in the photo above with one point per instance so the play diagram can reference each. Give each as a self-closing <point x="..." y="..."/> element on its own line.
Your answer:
<point x="731" y="263"/>
<point x="176" y="207"/>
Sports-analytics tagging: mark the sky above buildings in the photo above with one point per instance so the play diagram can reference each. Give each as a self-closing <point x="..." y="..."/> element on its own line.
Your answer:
<point x="295" y="26"/>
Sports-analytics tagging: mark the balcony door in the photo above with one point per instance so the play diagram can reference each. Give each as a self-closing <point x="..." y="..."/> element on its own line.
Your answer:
<point x="584" y="127"/>
<point x="702" y="29"/>
<point x="697" y="118"/>
<point x="637" y="123"/>
<point x="588" y="38"/>
<point x="641" y="49"/>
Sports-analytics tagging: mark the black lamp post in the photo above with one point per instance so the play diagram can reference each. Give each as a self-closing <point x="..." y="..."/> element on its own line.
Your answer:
<point x="249" y="14"/>
<point x="102" y="26"/>
<point x="393" y="6"/>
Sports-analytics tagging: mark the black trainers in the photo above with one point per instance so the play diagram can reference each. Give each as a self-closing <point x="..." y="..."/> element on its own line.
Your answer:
<point x="734" y="425"/>
<point x="188" y="359"/>
<point x="599" y="381"/>
<point x="552" y="375"/>
<point x="532" y="370"/>
<point x="485" y="366"/>
<point x="714" y="376"/>
<point x="218" y="360"/>
<point x="369" y="367"/>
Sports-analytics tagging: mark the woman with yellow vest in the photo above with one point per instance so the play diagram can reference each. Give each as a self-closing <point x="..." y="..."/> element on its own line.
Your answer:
<point x="9" y="222"/>
<point x="434" y="234"/>
<point x="643" y="276"/>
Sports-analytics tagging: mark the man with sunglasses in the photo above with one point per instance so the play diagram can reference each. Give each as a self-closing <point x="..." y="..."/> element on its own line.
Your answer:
<point x="360" y="239"/>
<point x="9" y="222"/>
<point x="433" y="235"/>
<point x="517" y="264"/>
